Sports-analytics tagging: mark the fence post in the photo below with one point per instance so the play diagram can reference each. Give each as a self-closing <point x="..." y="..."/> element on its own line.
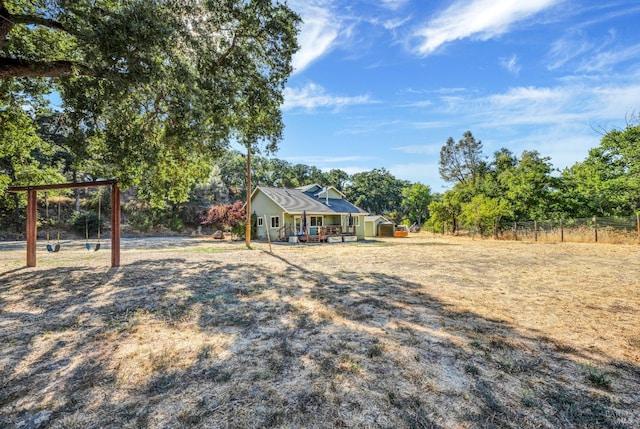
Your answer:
<point x="561" y="232"/>
<point x="535" y="230"/>
<point x="638" y="223"/>
<point x="595" y="228"/>
<point x="515" y="231"/>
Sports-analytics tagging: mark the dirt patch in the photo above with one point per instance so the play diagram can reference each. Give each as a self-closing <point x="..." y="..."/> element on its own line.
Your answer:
<point x="422" y="332"/>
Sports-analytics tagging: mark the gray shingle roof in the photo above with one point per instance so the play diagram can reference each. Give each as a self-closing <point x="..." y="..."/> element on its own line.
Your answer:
<point x="296" y="201"/>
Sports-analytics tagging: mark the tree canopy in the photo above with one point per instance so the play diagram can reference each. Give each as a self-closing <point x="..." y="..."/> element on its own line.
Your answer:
<point x="526" y="187"/>
<point x="151" y="91"/>
<point x="376" y="191"/>
<point x="461" y="162"/>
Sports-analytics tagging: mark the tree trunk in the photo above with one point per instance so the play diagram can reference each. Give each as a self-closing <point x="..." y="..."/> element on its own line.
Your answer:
<point x="247" y="240"/>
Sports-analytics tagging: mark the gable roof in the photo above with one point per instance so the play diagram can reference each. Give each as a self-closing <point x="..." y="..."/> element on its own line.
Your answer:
<point x="373" y="218"/>
<point x="296" y="201"/>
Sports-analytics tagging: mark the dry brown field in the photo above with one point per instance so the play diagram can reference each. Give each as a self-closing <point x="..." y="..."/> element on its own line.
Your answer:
<point x="422" y="332"/>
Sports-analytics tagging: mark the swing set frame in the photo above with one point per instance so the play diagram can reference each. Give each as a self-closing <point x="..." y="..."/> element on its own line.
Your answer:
<point x="32" y="205"/>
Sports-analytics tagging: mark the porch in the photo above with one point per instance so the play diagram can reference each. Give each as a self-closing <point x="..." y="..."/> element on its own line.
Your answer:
<point x="316" y="234"/>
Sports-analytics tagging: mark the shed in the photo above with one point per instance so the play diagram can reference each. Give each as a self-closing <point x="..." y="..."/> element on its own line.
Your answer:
<point x="371" y="224"/>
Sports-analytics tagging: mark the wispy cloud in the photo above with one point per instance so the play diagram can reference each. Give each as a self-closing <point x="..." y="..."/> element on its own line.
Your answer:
<point x="605" y="60"/>
<point x="418" y="104"/>
<point x="393" y="4"/>
<point x="392" y="24"/>
<point x="566" y="49"/>
<point x="318" y="35"/>
<point x="511" y="64"/>
<point x="574" y="103"/>
<point x="477" y="19"/>
<point x="313" y="96"/>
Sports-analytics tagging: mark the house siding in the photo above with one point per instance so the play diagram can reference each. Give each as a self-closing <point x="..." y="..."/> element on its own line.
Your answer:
<point x="261" y="205"/>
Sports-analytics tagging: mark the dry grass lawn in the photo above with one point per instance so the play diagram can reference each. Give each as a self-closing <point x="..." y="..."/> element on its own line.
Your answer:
<point x="423" y="332"/>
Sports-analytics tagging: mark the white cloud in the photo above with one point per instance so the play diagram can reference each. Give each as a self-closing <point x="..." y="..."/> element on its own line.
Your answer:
<point x="318" y="34"/>
<point x="573" y="103"/>
<point x="511" y="64"/>
<point x="527" y="96"/>
<point x="421" y="103"/>
<point x="314" y="96"/>
<point x="479" y="19"/>
<point x="393" y="4"/>
<point x="565" y="50"/>
<point x="574" y="51"/>
<point x="605" y="60"/>
<point x="392" y="24"/>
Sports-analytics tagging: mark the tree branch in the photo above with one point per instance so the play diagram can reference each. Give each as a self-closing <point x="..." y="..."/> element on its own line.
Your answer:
<point x="37" y="20"/>
<point x="11" y="67"/>
<point x="6" y="24"/>
<point x="225" y="54"/>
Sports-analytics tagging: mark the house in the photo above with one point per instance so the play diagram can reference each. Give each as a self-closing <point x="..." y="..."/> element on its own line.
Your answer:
<point x="311" y="213"/>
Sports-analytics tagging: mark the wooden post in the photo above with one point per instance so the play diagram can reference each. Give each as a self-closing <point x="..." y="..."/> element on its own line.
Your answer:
<point x="515" y="231"/>
<point x="638" y="224"/>
<point x="535" y="230"/>
<point x="595" y="228"/>
<point x="32" y="226"/>
<point x="115" y="225"/>
<point x="247" y="231"/>
<point x="561" y="232"/>
<point x="268" y="233"/>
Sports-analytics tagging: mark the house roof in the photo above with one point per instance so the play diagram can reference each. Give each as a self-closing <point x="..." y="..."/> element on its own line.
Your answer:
<point x="297" y="201"/>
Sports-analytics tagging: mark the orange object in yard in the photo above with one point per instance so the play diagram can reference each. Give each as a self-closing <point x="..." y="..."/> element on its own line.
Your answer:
<point x="401" y="231"/>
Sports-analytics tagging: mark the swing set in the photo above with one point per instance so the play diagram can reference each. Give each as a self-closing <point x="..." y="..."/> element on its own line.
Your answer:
<point x="32" y="205"/>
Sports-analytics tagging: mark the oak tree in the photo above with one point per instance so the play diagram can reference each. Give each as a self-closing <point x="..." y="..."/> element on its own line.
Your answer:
<point x="155" y="88"/>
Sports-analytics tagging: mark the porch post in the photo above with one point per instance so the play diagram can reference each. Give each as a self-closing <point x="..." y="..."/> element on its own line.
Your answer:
<point x="32" y="226"/>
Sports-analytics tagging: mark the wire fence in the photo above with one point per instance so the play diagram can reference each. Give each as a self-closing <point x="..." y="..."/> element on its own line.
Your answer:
<point x="595" y="229"/>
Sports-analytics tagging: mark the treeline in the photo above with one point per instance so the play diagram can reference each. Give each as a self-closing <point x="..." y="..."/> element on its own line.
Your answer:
<point x="490" y="193"/>
<point x="376" y="191"/>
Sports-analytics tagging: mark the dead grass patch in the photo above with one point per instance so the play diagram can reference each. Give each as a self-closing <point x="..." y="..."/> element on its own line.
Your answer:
<point x="422" y="332"/>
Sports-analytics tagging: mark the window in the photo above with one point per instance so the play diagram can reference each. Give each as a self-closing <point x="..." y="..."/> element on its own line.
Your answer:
<point x="353" y="221"/>
<point x="275" y="222"/>
<point x="315" y="220"/>
<point x="260" y="221"/>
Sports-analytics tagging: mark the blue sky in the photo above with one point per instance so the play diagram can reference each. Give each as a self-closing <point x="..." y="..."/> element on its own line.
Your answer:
<point x="384" y="83"/>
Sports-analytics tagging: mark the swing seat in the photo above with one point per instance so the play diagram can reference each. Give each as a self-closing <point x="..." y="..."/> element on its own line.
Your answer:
<point x="53" y="249"/>
<point x="95" y="249"/>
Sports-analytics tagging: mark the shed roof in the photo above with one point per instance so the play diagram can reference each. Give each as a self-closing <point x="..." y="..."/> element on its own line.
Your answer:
<point x="373" y="218"/>
<point x="294" y="201"/>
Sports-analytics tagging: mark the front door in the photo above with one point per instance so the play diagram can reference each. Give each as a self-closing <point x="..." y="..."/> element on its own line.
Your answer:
<point x="297" y="225"/>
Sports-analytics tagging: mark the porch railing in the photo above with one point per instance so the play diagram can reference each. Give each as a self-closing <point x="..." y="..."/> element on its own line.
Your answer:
<point x="321" y="231"/>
